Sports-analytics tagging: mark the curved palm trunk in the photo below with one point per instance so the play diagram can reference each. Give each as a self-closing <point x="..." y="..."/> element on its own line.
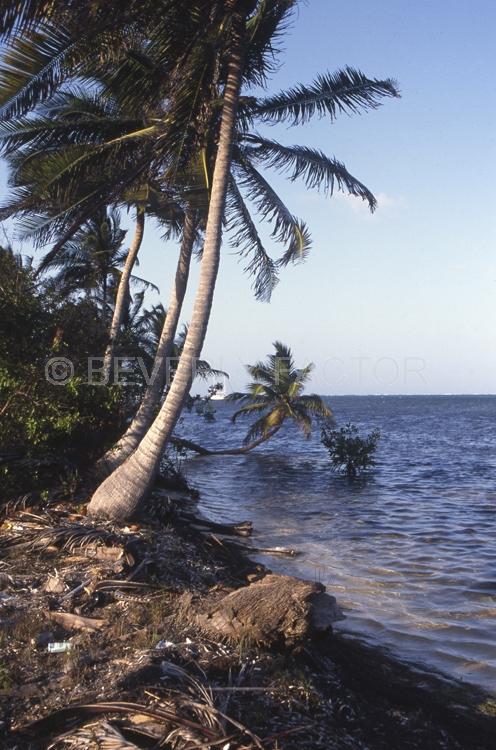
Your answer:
<point x="122" y="293"/>
<point x="151" y="400"/>
<point x="124" y="491"/>
<point x="189" y="445"/>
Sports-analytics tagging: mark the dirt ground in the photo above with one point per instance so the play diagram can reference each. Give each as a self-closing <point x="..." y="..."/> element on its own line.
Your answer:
<point x="97" y="651"/>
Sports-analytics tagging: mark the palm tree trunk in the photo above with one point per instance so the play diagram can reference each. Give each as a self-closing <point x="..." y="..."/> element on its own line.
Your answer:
<point x="189" y="445"/>
<point x="125" y="490"/>
<point x="151" y="400"/>
<point x="104" y="300"/>
<point x="122" y="293"/>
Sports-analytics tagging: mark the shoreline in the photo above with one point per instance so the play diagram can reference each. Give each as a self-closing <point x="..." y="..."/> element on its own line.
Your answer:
<point x="283" y="563"/>
<point x="344" y="691"/>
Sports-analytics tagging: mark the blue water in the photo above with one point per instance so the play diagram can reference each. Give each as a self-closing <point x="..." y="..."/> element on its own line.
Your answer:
<point x="409" y="551"/>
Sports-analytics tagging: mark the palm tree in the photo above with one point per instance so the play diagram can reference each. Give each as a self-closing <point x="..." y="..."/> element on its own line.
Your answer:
<point x="123" y="293"/>
<point x="91" y="261"/>
<point x="95" y="123"/>
<point x="121" y="494"/>
<point x="232" y="42"/>
<point x="50" y="44"/>
<point x="145" y="330"/>
<point x="275" y="396"/>
<point x="168" y="324"/>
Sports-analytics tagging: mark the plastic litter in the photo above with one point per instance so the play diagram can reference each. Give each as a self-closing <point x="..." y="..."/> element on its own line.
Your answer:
<point x="59" y="648"/>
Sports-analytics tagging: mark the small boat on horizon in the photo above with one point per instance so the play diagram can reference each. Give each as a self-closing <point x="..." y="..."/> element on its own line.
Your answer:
<point x="219" y="395"/>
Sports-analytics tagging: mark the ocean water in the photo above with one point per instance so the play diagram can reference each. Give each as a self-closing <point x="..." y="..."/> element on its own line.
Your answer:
<point x="408" y="550"/>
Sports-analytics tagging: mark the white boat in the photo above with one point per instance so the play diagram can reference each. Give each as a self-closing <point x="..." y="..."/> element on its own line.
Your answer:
<point x="220" y="395"/>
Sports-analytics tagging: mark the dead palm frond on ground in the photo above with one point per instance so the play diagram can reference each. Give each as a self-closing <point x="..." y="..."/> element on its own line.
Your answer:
<point x="68" y="537"/>
<point x="182" y="717"/>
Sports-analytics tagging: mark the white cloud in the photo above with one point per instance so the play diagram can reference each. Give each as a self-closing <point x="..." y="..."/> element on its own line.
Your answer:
<point x="358" y="206"/>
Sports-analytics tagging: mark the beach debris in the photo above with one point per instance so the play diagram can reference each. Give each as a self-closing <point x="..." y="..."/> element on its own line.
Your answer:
<point x="76" y="622"/>
<point x="112" y="554"/>
<point x="274" y="609"/>
<point x="282" y="551"/>
<point x="181" y="718"/>
<point x="59" y="647"/>
<point x="6" y="581"/>
<point x="43" y="639"/>
<point x="82" y="586"/>
<point x="164" y="644"/>
<point x="243" y="528"/>
<point x="70" y="537"/>
<point x="55" y="585"/>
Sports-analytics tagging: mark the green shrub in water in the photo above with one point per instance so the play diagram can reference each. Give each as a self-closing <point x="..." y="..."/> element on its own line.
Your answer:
<point x="350" y="453"/>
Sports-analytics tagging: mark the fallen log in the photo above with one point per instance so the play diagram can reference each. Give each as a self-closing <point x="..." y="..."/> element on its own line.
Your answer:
<point x="244" y="528"/>
<point x="275" y="551"/>
<point x="276" y="610"/>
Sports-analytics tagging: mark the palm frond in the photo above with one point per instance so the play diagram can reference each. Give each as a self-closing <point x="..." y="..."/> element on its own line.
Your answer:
<point x="347" y="91"/>
<point x="32" y="68"/>
<point x="20" y="17"/>
<point x="143" y="283"/>
<point x="249" y="409"/>
<point x="263" y="372"/>
<point x="68" y="537"/>
<point x="315" y="405"/>
<point x="245" y="236"/>
<point x="264" y="28"/>
<point x="313" y="166"/>
<point x="302" y="419"/>
<point x="286" y="227"/>
<point x="262" y="427"/>
<point x="282" y="353"/>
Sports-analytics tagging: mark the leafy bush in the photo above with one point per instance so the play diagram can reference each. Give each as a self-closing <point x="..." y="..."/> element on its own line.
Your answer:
<point x="350" y="453"/>
<point x="46" y="427"/>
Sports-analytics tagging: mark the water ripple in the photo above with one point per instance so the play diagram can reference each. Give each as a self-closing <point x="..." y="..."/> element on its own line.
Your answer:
<point x="410" y="551"/>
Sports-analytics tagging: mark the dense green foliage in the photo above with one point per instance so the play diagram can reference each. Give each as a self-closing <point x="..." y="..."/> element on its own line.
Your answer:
<point x="61" y="425"/>
<point x="350" y="453"/>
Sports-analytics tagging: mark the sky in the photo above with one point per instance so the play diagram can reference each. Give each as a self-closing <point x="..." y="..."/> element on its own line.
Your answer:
<point x="402" y="301"/>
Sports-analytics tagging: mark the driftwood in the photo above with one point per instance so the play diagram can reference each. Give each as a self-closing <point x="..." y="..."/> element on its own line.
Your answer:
<point x="243" y="528"/>
<point x="272" y="611"/>
<point x="275" y="551"/>
<point x="70" y="621"/>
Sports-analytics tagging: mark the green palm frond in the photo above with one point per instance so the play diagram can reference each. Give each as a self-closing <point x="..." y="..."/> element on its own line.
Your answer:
<point x="32" y="68"/>
<point x="249" y="409"/>
<point x="315" y="405"/>
<point x="286" y="227"/>
<point x="302" y="419"/>
<point x="261" y="372"/>
<point x="268" y="23"/>
<point x="313" y="166"/>
<point x="262" y="427"/>
<point x="303" y="374"/>
<point x="237" y="396"/>
<point x="282" y="354"/>
<point x="245" y="236"/>
<point x="347" y="91"/>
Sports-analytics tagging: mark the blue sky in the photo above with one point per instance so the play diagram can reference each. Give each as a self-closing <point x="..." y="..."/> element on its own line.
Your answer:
<point x="402" y="301"/>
